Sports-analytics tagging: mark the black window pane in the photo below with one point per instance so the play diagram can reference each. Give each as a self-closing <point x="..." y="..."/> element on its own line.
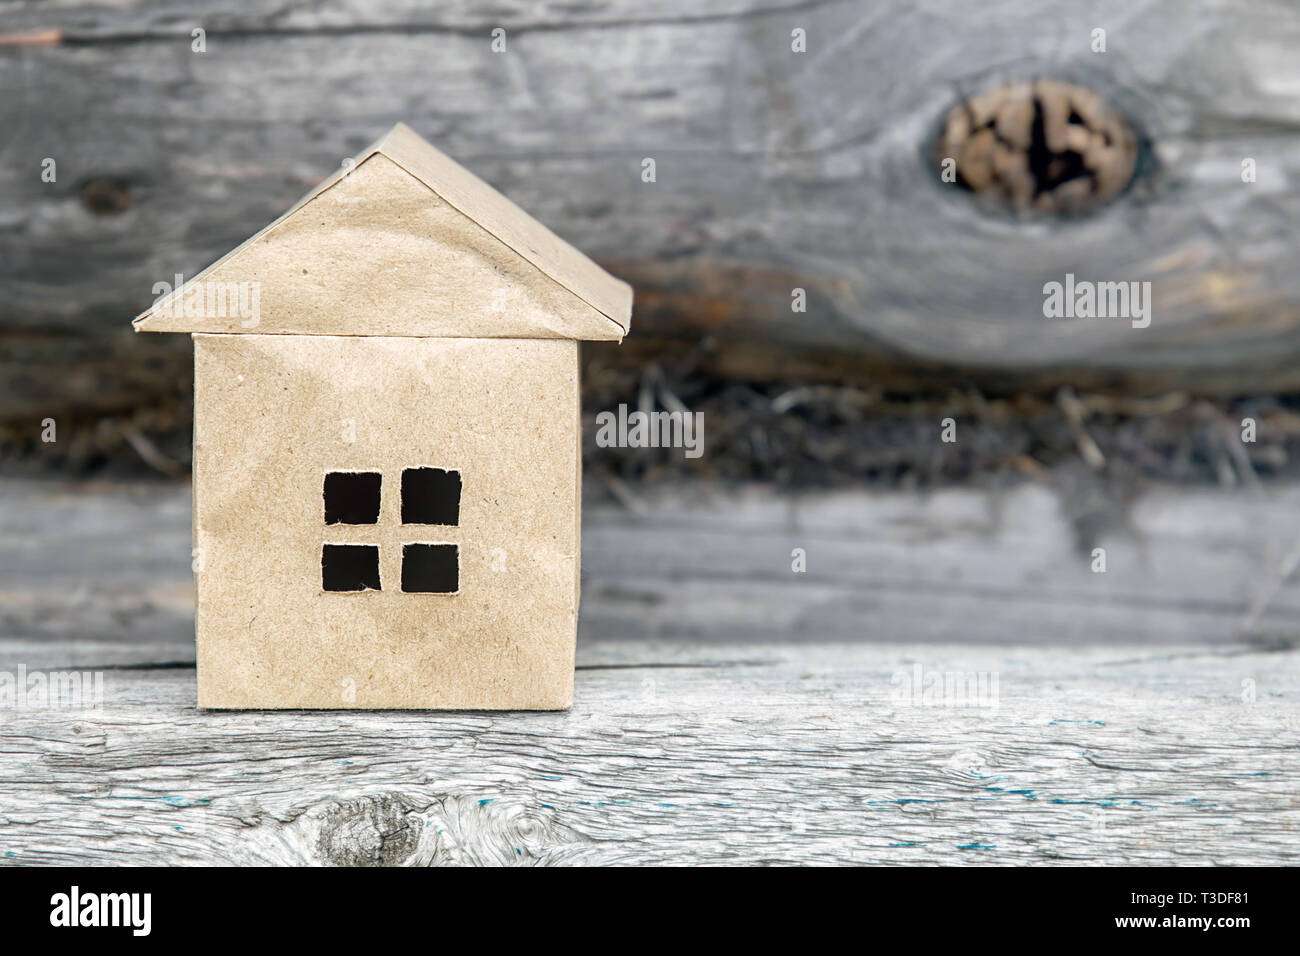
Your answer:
<point x="430" y="496"/>
<point x="352" y="497"/>
<point x="430" y="568"/>
<point x="350" y="567"/>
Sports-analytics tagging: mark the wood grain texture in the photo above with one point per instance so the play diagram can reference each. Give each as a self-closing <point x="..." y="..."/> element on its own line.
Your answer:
<point x="775" y="170"/>
<point x="680" y="754"/>
<point x="97" y="575"/>
<point x="726" y="709"/>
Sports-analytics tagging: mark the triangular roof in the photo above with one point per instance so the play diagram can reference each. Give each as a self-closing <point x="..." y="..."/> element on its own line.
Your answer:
<point x="404" y="241"/>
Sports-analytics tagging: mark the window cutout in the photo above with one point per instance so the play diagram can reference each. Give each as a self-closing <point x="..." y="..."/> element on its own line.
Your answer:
<point x="350" y="567"/>
<point x="352" y="497"/>
<point x="430" y="568"/>
<point x="430" y="496"/>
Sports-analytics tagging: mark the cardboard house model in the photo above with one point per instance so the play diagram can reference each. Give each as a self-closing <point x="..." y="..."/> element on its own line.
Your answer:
<point x="387" y="445"/>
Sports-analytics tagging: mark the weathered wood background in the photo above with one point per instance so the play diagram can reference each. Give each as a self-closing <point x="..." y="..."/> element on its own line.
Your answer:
<point x="785" y="754"/>
<point x="775" y="170"/>
<point x="727" y="709"/>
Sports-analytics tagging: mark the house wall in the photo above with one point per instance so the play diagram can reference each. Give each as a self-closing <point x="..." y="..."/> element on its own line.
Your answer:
<point x="274" y="413"/>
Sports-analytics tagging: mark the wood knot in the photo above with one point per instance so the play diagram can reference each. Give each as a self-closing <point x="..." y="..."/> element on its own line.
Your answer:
<point x="367" y="831"/>
<point x="401" y="829"/>
<point x="105" y="195"/>
<point x="1042" y="148"/>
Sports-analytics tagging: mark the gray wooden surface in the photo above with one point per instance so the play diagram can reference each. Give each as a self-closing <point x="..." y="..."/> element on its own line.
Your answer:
<point x="727" y="709"/>
<point x="682" y="754"/>
<point x="775" y="170"/>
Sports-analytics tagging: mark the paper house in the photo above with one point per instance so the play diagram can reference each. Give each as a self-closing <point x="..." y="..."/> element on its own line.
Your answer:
<point x="387" y="445"/>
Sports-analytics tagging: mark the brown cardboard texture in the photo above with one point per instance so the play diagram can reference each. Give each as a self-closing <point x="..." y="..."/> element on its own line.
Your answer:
<point x="387" y="456"/>
<point x="403" y="241"/>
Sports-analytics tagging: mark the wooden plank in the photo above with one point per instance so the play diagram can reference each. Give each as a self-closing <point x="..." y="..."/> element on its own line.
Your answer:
<point x="96" y="574"/>
<point x="956" y="565"/>
<point x="726" y="710"/>
<point x="808" y="753"/>
<point x="776" y="170"/>
<point x="100" y="575"/>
